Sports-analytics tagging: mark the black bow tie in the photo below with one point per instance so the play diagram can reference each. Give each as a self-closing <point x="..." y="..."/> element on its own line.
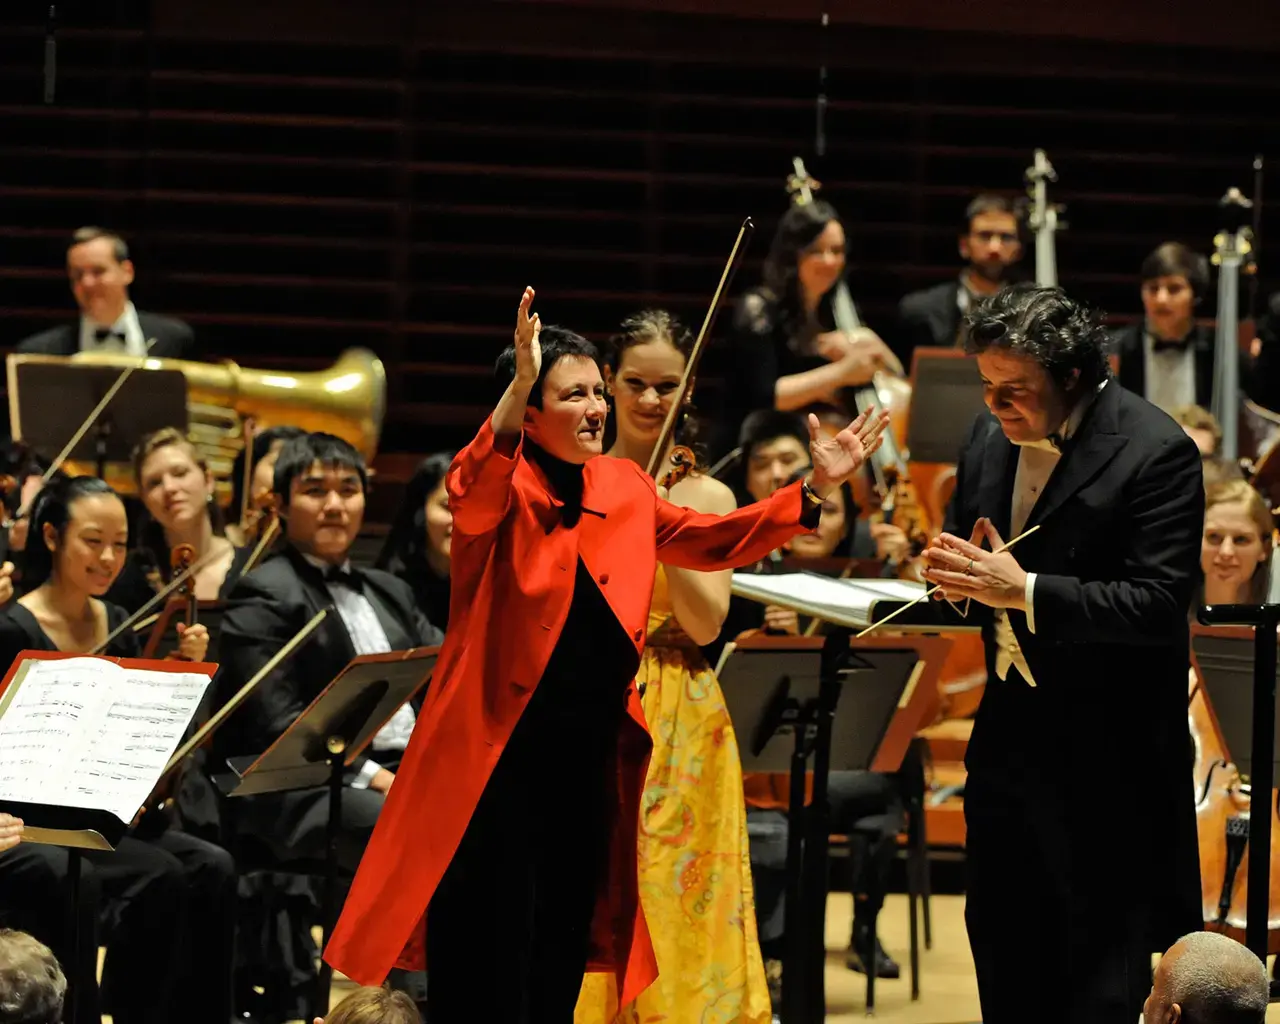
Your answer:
<point x="1160" y="345"/>
<point x="347" y="577"/>
<point x="103" y="333"/>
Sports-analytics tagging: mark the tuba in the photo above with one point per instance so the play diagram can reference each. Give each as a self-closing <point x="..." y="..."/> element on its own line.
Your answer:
<point x="348" y="399"/>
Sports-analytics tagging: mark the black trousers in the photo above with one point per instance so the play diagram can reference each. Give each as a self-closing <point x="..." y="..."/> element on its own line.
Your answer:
<point x="1051" y="928"/>
<point x="294" y="826"/>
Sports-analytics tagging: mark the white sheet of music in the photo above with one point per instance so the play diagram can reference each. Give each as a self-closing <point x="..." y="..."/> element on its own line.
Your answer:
<point x="848" y="602"/>
<point x="84" y="732"/>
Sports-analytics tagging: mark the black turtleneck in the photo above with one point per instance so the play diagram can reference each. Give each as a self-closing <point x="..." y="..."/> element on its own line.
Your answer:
<point x="565" y="478"/>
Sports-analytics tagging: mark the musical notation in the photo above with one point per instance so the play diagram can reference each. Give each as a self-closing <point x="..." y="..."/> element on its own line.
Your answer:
<point x="85" y="732"/>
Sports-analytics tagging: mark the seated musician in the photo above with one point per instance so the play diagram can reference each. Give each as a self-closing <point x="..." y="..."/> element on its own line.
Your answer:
<point x="867" y="806"/>
<point x="171" y="895"/>
<point x="263" y="452"/>
<point x="990" y="244"/>
<point x="1202" y="426"/>
<point x="417" y="547"/>
<point x="100" y="271"/>
<point x="27" y="470"/>
<point x="320" y="485"/>
<point x="177" y="491"/>
<point x="786" y="354"/>
<point x="1264" y="383"/>
<point x="1235" y="547"/>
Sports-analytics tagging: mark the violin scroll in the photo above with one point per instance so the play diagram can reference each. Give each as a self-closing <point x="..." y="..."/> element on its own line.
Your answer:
<point x="682" y="461"/>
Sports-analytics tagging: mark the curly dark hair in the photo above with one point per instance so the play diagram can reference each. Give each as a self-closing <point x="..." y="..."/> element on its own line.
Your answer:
<point x="1064" y="336"/>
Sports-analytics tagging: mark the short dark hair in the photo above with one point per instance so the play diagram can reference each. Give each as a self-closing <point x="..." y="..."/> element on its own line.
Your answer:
<point x="119" y="247"/>
<point x="33" y="987"/>
<point x="262" y="442"/>
<point x="300" y="454"/>
<point x="1173" y="259"/>
<point x="987" y="203"/>
<point x="556" y="343"/>
<point x="1060" y="334"/>
<point x="53" y="507"/>
<point x="765" y="425"/>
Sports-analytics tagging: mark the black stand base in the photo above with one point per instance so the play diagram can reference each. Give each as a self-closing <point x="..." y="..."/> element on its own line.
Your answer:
<point x="329" y="901"/>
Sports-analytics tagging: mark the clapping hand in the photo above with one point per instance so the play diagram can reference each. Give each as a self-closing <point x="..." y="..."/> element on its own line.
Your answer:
<point x="836" y="459"/>
<point x="964" y="569"/>
<point x="528" y="350"/>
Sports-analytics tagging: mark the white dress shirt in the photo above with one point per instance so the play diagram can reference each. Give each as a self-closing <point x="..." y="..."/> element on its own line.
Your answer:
<point x="367" y="637"/>
<point x="126" y="336"/>
<point x="1170" y="373"/>
<point x="1036" y="462"/>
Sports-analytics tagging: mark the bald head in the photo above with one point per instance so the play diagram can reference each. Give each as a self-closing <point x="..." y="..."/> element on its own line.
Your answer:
<point x="1207" y="978"/>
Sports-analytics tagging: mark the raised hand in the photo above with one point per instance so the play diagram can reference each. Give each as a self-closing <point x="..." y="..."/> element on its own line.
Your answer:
<point x="528" y="350"/>
<point x="836" y="459"/>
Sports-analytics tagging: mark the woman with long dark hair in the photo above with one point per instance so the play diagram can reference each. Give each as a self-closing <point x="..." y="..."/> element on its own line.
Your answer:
<point x="417" y="547"/>
<point x="787" y="354"/>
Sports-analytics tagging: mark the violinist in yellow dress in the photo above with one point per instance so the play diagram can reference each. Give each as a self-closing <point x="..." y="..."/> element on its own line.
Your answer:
<point x="694" y="862"/>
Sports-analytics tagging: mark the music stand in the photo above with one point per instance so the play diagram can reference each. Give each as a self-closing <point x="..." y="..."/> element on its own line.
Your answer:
<point x="50" y="397"/>
<point x="947" y="383"/>
<point x="849" y="705"/>
<point x="1215" y="658"/>
<point x="324" y="740"/>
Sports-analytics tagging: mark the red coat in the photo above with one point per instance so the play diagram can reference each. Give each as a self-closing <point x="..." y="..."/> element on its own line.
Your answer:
<point x="513" y="565"/>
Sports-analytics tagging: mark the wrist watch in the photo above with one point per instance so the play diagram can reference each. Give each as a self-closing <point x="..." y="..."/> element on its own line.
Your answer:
<point x="810" y="494"/>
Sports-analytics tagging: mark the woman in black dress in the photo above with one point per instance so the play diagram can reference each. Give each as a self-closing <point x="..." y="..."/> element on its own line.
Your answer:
<point x="170" y="898"/>
<point x="417" y="547"/>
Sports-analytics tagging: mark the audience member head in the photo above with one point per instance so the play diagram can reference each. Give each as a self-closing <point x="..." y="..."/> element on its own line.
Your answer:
<point x="775" y="445"/>
<point x="374" y="1006"/>
<point x="320" y="483"/>
<point x="1174" y="280"/>
<point x="567" y="409"/>
<point x="100" y="270"/>
<point x="422" y="535"/>
<point x="990" y="238"/>
<point x="79" y="535"/>
<point x="644" y="364"/>
<point x="264" y="451"/>
<point x="1235" y="544"/>
<point x="1039" y="352"/>
<point x="32" y="985"/>
<point x="1208" y="978"/>
<point x="807" y="256"/>
<point x="1201" y="426"/>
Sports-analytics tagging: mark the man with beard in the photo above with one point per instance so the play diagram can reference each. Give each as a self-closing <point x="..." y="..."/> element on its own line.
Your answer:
<point x="990" y="242"/>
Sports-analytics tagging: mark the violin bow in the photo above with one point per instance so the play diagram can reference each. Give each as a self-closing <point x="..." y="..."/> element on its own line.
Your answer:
<point x="659" y="453"/>
<point x="25" y="508"/>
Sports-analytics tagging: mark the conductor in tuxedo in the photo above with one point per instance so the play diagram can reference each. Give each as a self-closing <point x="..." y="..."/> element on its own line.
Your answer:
<point x="320" y="483"/>
<point x="1072" y="883"/>
<point x="100" y="271"/>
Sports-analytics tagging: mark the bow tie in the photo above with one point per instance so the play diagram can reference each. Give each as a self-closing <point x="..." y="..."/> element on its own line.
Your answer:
<point x="1159" y="345"/>
<point x="347" y="577"/>
<point x="101" y="334"/>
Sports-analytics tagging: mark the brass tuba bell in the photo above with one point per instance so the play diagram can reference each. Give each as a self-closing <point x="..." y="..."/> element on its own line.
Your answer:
<point x="349" y="399"/>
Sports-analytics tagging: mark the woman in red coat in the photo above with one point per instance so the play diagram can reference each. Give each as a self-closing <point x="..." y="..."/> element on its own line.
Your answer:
<point x="512" y="823"/>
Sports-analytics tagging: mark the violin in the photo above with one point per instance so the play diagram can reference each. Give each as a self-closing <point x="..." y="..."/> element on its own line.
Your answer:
<point x="668" y="463"/>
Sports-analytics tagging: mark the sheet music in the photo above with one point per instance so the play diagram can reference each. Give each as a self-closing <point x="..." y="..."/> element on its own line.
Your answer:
<point x="83" y="732"/>
<point x="847" y="602"/>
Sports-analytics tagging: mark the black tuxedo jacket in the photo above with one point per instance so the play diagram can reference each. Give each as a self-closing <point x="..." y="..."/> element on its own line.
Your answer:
<point x="927" y="318"/>
<point x="1126" y="342"/>
<point x="174" y="339"/>
<point x="1099" y="748"/>
<point x="266" y="608"/>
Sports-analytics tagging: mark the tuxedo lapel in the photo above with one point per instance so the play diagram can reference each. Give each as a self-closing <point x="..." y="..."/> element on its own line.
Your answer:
<point x="1203" y="343"/>
<point x="317" y="596"/>
<point x="999" y="466"/>
<point x="390" y="615"/>
<point x="1087" y="454"/>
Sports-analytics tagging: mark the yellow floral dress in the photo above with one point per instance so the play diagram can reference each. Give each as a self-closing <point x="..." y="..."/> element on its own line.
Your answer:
<point x="695" y="868"/>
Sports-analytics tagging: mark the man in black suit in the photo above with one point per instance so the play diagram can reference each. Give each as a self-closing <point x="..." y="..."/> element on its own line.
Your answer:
<point x="1168" y="358"/>
<point x="1071" y="885"/>
<point x="990" y="243"/>
<point x="100" y="271"/>
<point x="320" y="483"/>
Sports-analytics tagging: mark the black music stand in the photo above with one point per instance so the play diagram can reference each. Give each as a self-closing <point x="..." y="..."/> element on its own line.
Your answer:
<point x="49" y="398"/>
<point x="1230" y="660"/>
<point x="947" y="383"/>
<point x="780" y="687"/>
<point x="323" y="741"/>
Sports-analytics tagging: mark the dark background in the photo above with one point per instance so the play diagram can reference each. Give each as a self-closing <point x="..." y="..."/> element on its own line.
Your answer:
<point x="299" y="177"/>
